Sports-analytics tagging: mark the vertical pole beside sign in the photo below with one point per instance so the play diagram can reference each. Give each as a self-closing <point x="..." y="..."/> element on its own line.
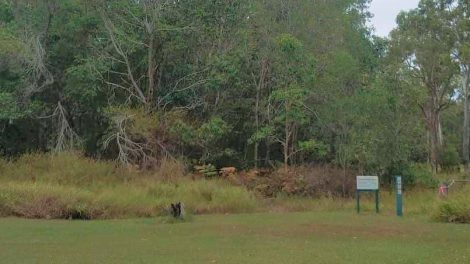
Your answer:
<point x="399" y="190"/>
<point x="358" y="203"/>
<point x="377" y="201"/>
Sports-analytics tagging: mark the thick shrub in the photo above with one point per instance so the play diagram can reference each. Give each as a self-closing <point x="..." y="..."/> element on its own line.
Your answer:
<point x="449" y="158"/>
<point x="455" y="208"/>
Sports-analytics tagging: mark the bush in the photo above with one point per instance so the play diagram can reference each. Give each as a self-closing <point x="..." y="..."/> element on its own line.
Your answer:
<point x="449" y="158"/>
<point x="419" y="174"/>
<point x="454" y="209"/>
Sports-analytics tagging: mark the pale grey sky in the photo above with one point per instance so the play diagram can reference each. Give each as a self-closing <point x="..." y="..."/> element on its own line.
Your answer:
<point x="385" y="12"/>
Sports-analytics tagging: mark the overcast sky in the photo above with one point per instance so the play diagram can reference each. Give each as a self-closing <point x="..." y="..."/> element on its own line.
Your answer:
<point x="385" y="12"/>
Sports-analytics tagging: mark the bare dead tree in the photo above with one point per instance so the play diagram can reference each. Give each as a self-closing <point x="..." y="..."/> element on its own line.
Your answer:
<point x="36" y="72"/>
<point x="33" y="37"/>
<point x="142" y="80"/>
<point x="139" y="80"/>
<point x="66" y="137"/>
<point x="129" y="151"/>
<point x="131" y="79"/>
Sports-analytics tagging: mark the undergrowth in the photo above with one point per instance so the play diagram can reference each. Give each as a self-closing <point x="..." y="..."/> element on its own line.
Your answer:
<point x="455" y="208"/>
<point x="70" y="186"/>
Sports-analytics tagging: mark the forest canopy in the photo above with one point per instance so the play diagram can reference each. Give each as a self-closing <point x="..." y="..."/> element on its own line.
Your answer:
<point x="245" y="83"/>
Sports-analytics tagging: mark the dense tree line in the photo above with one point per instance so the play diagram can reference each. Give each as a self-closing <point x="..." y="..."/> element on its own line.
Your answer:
<point x="238" y="82"/>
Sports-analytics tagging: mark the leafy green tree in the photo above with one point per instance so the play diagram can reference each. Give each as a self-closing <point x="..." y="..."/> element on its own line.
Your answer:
<point x="293" y="70"/>
<point x="457" y="24"/>
<point x="423" y="45"/>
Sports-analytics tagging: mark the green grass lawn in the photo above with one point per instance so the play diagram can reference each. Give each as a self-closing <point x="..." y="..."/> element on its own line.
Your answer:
<point x="251" y="238"/>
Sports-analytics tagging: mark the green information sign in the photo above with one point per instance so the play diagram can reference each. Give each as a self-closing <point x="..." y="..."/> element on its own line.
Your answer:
<point x="367" y="184"/>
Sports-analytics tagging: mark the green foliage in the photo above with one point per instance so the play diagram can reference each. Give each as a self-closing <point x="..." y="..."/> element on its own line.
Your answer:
<point x="418" y="174"/>
<point x="186" y="133"/>
<point x="454" y="209"/>
<point x="9" y="107"/>
<point x="205" y="138"/>
<point x="261" y="134"/>
<point x="289" y="44"/>
<point x="208" y="170"/>
<point x="233" y="83"/>
<point x="318" y="149"/>
<point x="9" y="44"/>
<point x="11" y="110"/>
<point x="213" y="130"/>
<point x="6" y="12"/>
<point x="140" y="123"/>
<point x="424" y="44"/>
<point x="82" y="85"/>
<point x="449" y="158"/>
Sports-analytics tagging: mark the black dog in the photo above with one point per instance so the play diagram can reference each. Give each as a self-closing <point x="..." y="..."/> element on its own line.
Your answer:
<point x="176" y="210"/>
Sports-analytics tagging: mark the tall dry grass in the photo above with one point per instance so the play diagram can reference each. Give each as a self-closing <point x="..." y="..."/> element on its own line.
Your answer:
<point x="72" y="186"/>
<point x="66" y="168"/>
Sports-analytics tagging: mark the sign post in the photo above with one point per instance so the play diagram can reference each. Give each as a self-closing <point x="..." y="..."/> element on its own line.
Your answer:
<point x="399" y="190"/>
<point x="367" y="184"/>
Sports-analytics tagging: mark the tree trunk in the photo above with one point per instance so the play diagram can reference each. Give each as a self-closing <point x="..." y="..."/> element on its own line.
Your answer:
<point x="151" y="73"/>
<point x="286" y="141"/>
<point x="432" y="116"/>
<point x="261" y="82"/>
<point x="435" y="139"/>
<point x="267" y="157"/>
<point x="466" y="120"/>
<point x="269" y="140"/>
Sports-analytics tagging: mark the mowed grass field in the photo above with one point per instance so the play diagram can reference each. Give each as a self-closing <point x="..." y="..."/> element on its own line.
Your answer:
<point x="309" y="237"/>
